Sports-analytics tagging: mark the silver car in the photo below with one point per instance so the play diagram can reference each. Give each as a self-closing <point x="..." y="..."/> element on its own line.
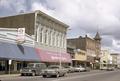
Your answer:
<point x="70" y="69"/>
<point x="54" y="70"/>
<point x="79" y="69"/>
<point x="33" y="69"/>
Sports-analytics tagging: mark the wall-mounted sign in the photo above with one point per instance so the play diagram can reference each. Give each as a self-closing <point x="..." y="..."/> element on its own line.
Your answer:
<point x="10" y="62"/>
<point x="21" y="35"/>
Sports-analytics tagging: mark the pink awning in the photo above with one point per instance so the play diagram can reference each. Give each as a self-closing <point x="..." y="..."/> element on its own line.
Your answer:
<point x="49" y="56"/>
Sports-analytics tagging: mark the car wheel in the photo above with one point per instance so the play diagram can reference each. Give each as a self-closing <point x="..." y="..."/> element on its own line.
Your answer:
<point x="65" y="74"/>
<point x="33" y="74"/>
<point x="44" y="76"/>
<point x="57" y="75"/>
<point x="22" y="74"/>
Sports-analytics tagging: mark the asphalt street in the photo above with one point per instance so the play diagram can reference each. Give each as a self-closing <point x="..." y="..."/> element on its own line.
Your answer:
<point x="80" y="76"/>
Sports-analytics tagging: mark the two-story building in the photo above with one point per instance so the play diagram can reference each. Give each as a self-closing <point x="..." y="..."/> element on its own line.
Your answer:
<point x="106" y="59"/>
<point x="78" y="56"/>
<point x="48" y="32"/>
<point x="115" y="59"/>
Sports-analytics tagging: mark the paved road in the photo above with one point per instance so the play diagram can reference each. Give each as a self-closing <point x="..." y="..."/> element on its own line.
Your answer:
<point x="82" y="76"/>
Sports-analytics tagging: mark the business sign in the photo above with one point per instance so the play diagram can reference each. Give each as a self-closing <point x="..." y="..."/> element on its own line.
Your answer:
<point x="21" y="35"/>
<point x="49" y="56"/>
<point x="10" y="62"/>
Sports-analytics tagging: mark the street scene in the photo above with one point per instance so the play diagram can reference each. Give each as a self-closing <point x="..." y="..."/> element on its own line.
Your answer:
<point x="59" y="40"/>
<point x="83" y="76"/>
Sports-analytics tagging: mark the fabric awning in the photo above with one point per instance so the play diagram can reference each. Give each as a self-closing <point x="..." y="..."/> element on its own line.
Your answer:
<point x="49" y="56"/>
<point x="18" y="52"/>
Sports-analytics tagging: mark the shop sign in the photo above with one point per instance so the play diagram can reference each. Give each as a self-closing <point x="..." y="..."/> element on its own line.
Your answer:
<point x="10" y="62"/>
<point x="21" y="35"/>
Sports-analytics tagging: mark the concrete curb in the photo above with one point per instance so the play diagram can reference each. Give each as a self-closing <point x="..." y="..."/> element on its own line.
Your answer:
<point x="9" y="75"/>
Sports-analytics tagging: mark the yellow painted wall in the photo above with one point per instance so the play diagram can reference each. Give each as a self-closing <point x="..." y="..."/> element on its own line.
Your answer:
<point x="81" y="55"/>
<point x="105" y="55"/>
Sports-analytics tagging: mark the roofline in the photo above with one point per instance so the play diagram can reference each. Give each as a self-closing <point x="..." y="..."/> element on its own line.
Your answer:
<point x="39" y="12"/>
<point x="71" y="38"/>
<point x="51" y="18"/>
<point x="114" y="54"/>
<point x="17" y="14"/>
<point x="11" y="29"/>
<point x="82" y="38"/>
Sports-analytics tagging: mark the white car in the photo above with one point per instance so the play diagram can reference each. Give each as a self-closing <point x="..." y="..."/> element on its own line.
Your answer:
<point x="79" y="69"/>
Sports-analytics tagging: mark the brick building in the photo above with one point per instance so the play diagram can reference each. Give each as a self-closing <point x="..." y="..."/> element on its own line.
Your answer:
<point x="92" y="48"/>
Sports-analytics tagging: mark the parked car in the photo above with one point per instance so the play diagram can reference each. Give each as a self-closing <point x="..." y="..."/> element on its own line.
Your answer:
<point x="79" y="69"/>
<point x="103" y="68"/>
<point x="33" y="69"/>
<point x="70" y="69"/>
<point x="87" y="69"/>
<point x="110" y="68"/>
<point x="54" y="70"/>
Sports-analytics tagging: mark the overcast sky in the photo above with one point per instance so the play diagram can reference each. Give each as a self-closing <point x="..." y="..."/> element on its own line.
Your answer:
<point x="83" y="16"/>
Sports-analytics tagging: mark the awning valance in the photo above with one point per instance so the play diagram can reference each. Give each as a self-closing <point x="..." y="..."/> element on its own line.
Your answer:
<point x="18" y="52"/>
<point x="49" y="56"/>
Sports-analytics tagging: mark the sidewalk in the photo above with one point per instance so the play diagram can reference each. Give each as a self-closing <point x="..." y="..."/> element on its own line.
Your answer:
<point x="9" y="75"/>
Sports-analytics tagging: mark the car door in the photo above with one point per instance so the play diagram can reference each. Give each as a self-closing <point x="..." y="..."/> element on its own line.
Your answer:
<point x="37" y="69"/>
<point x="62" y="70"/>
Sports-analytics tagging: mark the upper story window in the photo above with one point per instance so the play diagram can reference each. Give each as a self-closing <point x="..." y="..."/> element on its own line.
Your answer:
<point x="41" y="35"/>
<point x="46" y="31"/>
<point x="50" y="32"/>
<point x="53" y="38"/>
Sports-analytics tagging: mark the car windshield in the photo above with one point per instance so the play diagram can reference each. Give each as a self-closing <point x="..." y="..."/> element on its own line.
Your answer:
<point x="67" y="66"/>
<point x="30" y="65"/>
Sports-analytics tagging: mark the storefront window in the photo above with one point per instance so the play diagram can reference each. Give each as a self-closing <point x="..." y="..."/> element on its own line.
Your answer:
<point x="18" y="66"/>
<point x="2" y="65"/>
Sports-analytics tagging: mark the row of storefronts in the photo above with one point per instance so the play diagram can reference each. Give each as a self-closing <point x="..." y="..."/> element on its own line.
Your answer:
<point x="41" y="39"/>
<point x="21" y="55"/>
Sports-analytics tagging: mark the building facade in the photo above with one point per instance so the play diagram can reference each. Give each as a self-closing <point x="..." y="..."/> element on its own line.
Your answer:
<point x="80" y="58"/>
<point x="19" y="54"/>
<point x="115" y="59"/>
<point x="106" y="59"/>
<point x="118" y="62"/>
<point x="49" y="35"/>
<point x="47" y="31"/>
<point x="71" y="50"/>
<point x="92" y="48"/>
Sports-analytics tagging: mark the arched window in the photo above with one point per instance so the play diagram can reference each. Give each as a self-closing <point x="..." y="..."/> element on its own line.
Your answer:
<point x="41" y="35"/>
<point x="50" y="36"/>
<point x="46" y="36"/>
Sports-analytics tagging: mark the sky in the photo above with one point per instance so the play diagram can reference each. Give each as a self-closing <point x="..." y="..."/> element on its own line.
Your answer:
<point x="82" y="16"/>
